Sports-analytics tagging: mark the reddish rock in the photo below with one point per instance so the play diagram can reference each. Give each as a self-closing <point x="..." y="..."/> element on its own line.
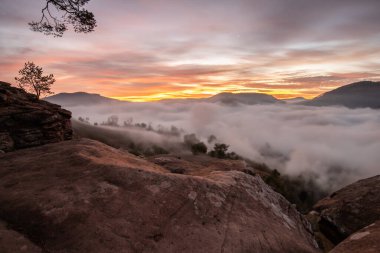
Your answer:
<point x="324" y="243"/>
<point x="365" y="240"/>
<point x="27" y="122"/>
<point x="350" y="209"/>
<point x="14" y="242"/>
<point x="84" y="196"/>
<point x="199" y="165"/>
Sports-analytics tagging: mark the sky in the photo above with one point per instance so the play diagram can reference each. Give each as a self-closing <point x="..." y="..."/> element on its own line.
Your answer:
<point x="145" y="50"/>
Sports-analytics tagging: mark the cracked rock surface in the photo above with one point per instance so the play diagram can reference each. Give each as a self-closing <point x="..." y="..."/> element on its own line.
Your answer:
<point x="84" y="196"/>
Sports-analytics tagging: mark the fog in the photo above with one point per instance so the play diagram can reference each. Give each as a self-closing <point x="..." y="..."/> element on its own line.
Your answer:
<point x="334" y="145"/>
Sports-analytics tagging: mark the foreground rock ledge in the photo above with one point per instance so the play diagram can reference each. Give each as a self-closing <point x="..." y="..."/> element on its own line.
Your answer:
<point x="83" y="196"/>
<point x="27" y="122"/>
<point x="365" y="240"/>
<point x="350" y="209"/>
<point x="14" y="242"/>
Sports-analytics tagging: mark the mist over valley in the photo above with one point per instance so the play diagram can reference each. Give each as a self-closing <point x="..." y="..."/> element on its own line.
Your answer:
<point x="333" y="145"/>
<point x="185" y="126"/>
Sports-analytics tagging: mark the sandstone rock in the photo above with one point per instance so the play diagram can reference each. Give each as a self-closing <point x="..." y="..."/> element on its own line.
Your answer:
<point x="365" y="240"/>
<point x="324" y="243"/>
<point x="352" y="208"/>
<point x="84" y="196"/>
<point x="199" y="165"/>
<point x="14" y="242"/>
<point x="27" y="122"/>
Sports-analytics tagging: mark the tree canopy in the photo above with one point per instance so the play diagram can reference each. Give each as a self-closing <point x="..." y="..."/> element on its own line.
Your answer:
<point x="58" y="14"/>
<point x="32" y="80"/>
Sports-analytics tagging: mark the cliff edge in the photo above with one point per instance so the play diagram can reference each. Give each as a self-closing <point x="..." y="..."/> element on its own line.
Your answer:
<point x="27" y="122"/>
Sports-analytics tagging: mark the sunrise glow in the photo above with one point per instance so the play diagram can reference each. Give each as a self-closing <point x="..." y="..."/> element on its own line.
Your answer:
<point x="147" y="51"/>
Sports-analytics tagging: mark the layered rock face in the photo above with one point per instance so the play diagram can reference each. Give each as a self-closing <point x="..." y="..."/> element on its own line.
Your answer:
<point x="84" y="196"/>
<point x="365" y="240"/>
<point x="350" y="209"/>
<point x="27" y="122"/>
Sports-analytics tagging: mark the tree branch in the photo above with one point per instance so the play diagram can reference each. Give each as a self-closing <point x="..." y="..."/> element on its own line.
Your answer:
<point x="81" y="19"/>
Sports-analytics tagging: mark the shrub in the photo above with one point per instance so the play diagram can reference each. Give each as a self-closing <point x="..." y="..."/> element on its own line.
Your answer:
<point x="199" y="148"/>
<point x="220" y="151"/>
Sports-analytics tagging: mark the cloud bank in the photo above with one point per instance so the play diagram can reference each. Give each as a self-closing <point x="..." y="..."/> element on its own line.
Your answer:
<point x="334" y="145"/>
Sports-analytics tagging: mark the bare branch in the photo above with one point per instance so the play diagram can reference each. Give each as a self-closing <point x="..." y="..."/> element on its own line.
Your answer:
<point x="74" y="14"/>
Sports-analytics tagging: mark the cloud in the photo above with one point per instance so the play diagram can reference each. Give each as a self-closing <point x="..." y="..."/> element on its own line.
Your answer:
<point x="213" y="46"/>
<point x="333" y="145"/>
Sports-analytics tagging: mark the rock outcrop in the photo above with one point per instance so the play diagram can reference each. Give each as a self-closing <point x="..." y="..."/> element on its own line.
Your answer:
<point x="365" y="240"/>
<point x="27" y="122"/>
<point x="350" y="209"/>
<point x="14" y="242"/>
<point x="83" y="196"/>
<point x="199" y="165"/>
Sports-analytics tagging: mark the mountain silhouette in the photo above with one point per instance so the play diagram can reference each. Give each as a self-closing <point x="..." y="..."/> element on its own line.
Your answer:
<point x="243" y="98"/>
<point x="356" y="95"/>
<point x="296" y="100"/>
<point x="81" y="98"/>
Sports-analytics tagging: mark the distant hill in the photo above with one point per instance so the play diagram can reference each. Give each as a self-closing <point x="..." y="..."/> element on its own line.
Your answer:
<point x="87" y="99"/>
<point x="80" y="99"/>
<point x="243" y="98"/>
<point x="295" y="100"/>
<point x="355" y="95"/>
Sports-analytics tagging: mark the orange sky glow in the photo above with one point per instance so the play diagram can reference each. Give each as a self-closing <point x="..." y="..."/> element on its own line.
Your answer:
<point x="152" y="50"/>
